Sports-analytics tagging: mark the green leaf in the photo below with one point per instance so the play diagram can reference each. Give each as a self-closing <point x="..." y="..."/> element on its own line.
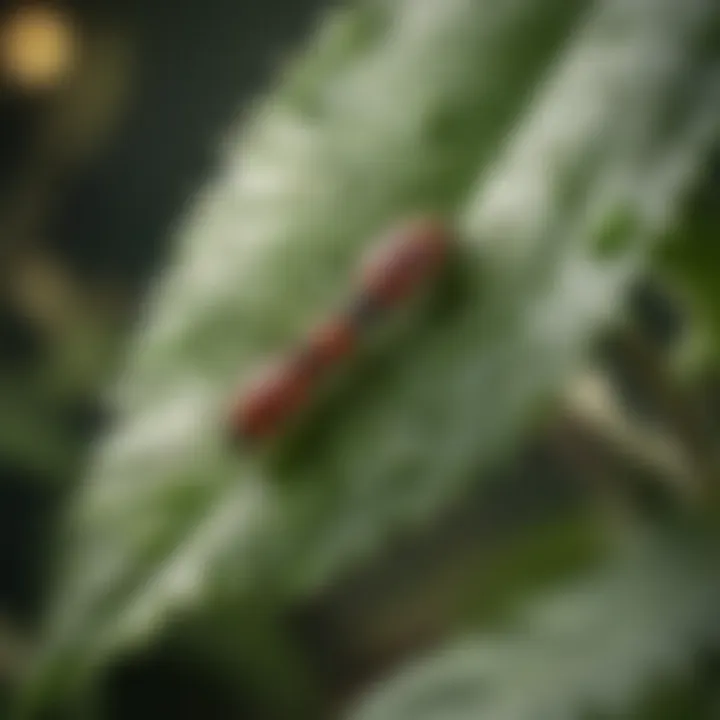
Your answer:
<point x="598" y="646"/>
<point x="689" y="261"/>
<point x="537" y="126"/>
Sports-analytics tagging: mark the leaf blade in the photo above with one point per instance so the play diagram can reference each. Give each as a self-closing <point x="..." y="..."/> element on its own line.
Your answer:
<point x="307" y="198"/>
<point x="596" y="646"/>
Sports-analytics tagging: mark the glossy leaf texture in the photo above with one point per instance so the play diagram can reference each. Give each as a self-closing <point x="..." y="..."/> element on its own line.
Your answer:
<point x="594" y="649"/>
<point x="560" y="136"/>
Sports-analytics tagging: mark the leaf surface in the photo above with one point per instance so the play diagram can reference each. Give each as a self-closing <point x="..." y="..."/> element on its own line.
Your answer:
<point x="551" y="131"/>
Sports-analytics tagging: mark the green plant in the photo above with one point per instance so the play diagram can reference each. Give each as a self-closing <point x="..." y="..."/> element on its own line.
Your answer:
<point x="564" y="138"/>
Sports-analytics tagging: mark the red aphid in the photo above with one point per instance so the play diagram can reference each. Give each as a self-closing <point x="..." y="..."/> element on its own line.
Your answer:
<point x="279" y="392"/>
<point x="405" y="258"/>
<point x="283" y="389"/>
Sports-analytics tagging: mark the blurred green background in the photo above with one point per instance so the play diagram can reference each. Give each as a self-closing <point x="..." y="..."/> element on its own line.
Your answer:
<point x="103" y="142"/>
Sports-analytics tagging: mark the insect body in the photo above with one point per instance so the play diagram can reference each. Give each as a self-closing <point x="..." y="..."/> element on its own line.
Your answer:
<point x="280" y="391"/>
<point x="405" y="259"/>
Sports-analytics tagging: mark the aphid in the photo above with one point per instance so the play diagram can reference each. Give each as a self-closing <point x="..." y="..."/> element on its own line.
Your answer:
<point x="280" y="391"/>
<point x="405" y="259"/>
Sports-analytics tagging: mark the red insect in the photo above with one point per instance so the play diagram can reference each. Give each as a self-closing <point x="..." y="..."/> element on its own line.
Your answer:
<point x="407" y="257"/>
<point x="281" y="390"/>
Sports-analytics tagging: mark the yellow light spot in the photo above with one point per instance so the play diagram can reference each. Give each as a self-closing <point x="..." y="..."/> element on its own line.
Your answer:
<point x="37" y="47"/>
